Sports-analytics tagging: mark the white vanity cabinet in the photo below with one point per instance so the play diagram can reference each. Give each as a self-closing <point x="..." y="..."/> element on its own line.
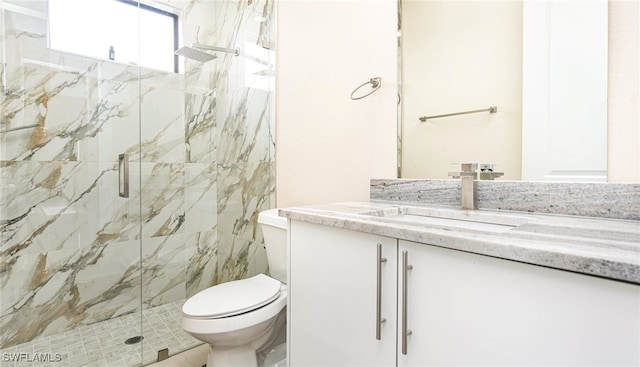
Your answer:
<point x="466" y="309"/>
<point x="332" y="304"/>
<point x="463" y="309"/>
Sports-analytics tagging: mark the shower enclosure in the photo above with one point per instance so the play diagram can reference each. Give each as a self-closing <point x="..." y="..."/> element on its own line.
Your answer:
<point x="86" y="266"/>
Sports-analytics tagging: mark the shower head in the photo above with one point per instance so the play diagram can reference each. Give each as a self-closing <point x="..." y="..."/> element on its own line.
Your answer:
<point x="193" y="54"/>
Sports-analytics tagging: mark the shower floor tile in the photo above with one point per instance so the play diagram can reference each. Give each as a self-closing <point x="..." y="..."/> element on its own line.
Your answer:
<point x="103" y="343"/>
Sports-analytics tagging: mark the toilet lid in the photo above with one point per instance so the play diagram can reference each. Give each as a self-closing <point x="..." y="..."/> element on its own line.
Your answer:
<point x="232" y="298"/>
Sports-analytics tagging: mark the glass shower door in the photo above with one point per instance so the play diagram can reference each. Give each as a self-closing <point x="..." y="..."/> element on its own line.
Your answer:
<point x="70" y="245"/>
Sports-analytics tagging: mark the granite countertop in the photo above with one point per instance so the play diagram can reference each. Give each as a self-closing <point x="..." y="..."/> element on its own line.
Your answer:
<point x="603" y="247"/>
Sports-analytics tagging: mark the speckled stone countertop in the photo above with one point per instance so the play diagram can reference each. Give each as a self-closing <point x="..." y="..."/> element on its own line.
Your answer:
<point x="603" y="247"/>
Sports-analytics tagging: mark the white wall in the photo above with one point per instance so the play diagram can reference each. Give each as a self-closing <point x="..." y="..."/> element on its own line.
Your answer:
<point x="329" y="146"/>
<point x="624" y="92"/>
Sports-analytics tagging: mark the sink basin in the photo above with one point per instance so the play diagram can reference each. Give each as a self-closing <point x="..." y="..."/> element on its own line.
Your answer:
<point x="493" y="222"/>
<point x="455" y="223"/>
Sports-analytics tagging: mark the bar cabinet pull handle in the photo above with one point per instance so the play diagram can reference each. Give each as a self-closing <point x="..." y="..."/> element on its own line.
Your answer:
<point x="405" y="270"/>
<point x="379" y="319"/>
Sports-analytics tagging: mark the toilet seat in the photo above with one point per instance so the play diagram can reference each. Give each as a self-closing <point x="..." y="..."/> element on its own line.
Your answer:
<point x="232" y="298"/>
<point x="234" y="323"/>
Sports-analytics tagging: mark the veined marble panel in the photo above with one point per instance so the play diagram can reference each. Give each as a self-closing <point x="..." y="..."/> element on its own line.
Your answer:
<point x="80" y="116"/>
<point x="55" y="205"/>
<point x="162" y="118"/>
<point x="110" y="125"/>
<point x="106" y="286"/>
<point x="202" y="267"/>
<point x="75" y="287"/>
<point x="96" y="284"/>
<point x="200" y="88"/>
<point x="66" y="233"/>
<point x="201" y="197"/>
<point x="200" y="127"/>
<point x="161" y="195"/>
<point x="199" y="27"/>
<point x="245" y="190"/>
<point x="61" y="289"/>
<point x="244" y="95"/>
<point x="164" y="268"/>
<point x="244" y="132"/>
<point x="60" y="219"/>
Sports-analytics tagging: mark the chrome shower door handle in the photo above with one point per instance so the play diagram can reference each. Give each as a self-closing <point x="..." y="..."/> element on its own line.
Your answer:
<point x="123" y="175"/>
<point x="379" y="319"/>
<point x="405" y="271"/>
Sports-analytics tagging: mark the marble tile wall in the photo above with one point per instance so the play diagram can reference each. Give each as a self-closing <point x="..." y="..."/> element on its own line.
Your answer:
<point x="201" y="147"/>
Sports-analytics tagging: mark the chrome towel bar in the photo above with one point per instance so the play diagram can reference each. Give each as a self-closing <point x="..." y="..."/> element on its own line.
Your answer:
<point x="492" y="109"/>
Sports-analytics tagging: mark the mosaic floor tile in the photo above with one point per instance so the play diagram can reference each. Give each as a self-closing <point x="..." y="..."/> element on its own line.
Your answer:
<point x="103" y="343"/>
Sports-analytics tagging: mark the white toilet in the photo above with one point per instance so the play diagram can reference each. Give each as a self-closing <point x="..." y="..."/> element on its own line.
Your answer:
<point x="239" y="318"/>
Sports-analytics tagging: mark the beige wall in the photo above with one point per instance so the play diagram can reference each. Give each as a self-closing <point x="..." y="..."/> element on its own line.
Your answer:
<point x="623" y="162"/>
<point x="328" y="147"/>
<point x="461" y="56"/>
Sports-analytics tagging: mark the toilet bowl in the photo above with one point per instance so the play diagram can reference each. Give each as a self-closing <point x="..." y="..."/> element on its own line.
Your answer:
<point x="239" y="318"/>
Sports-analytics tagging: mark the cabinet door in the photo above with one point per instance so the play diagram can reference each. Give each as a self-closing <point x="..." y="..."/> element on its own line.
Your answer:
<point x="333" y="297"/>
<point x="466" y="309"/>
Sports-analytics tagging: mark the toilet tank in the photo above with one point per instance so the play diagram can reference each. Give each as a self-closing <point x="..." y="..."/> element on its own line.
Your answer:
<point x="274" y="230"/>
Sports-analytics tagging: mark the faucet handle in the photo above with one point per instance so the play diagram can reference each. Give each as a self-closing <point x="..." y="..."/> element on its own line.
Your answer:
<point x="487" y="172"/>
<point x="487" y="167"/>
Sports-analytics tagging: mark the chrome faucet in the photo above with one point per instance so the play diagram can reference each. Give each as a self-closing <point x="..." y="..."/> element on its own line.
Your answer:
<point x="468" y="176"/>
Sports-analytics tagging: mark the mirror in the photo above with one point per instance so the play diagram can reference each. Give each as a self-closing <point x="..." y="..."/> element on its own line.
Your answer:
<point x="542" y="64"/>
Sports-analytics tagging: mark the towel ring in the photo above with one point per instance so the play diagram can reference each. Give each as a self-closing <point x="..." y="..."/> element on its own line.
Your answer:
<point x="375" y="84"/>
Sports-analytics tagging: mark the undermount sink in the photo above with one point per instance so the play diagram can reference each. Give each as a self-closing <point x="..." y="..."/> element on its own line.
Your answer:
<point x="460" y="219"/>
<point x="456" y="223"/>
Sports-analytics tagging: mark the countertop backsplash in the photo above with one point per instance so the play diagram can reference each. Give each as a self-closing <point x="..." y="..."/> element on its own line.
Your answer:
<point x="604" y="200"/>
